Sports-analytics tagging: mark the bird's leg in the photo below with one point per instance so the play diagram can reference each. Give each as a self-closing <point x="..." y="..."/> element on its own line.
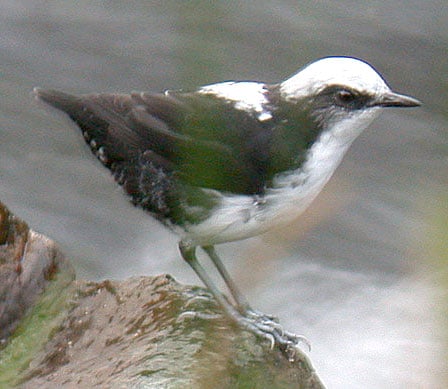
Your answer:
<point x="188" y="252"/>
<point x="255" y="322"/>
<point x="241" y="302"/>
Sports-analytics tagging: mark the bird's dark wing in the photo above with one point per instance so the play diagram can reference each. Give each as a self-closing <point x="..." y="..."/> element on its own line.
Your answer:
<point x="204" y="141"/>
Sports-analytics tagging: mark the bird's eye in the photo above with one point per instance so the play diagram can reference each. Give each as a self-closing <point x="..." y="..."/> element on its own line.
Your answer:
<point x="344" y="97"/>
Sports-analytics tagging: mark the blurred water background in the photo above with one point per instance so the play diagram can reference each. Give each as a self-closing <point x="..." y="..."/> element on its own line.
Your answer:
<point x="362" y="273"/>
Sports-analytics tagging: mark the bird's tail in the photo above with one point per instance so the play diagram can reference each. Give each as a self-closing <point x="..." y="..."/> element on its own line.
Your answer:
<point x="57" y="99"/>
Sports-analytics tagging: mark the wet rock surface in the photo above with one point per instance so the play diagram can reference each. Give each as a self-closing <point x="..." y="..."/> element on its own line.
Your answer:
<point x="28" y="263"/>
<point x="146" y="332"/>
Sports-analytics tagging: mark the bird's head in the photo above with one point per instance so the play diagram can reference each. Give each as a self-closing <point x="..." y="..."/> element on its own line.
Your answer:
<point x="342" y="90"/>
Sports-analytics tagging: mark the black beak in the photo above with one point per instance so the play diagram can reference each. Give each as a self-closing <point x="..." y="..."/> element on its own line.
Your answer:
<point x="392" y="99"/>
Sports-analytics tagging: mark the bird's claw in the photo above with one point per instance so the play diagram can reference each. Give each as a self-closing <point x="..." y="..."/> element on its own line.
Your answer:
<point x="267" y="327"/>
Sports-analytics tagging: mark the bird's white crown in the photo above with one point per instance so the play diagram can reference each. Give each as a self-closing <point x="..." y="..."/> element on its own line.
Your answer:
<point x="344" y="71"/>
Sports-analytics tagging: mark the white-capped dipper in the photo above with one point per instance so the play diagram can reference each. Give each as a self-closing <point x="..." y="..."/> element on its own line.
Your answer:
<point x="232" y="160"/>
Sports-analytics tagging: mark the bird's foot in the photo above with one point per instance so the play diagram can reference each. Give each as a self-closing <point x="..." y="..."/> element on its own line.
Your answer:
<point x="202" y="306"/>
<point x="268" y="327"/>
<point x="250" y="312"/>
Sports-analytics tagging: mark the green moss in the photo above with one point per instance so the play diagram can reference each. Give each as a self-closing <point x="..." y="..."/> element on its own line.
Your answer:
<point x="35" y="330"/>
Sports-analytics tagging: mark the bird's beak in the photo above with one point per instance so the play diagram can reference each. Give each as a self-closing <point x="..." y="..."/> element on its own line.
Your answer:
<point x="392" y="99"/>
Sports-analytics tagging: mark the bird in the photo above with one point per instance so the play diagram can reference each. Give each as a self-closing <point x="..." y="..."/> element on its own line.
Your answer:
<point x="232" y="160"/>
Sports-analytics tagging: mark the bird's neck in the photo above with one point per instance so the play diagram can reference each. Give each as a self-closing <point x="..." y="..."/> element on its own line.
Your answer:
<point x="302" y="184"/>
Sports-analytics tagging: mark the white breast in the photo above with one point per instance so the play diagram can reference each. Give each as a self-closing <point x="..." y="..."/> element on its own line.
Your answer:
<point x="241" y="216"/>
